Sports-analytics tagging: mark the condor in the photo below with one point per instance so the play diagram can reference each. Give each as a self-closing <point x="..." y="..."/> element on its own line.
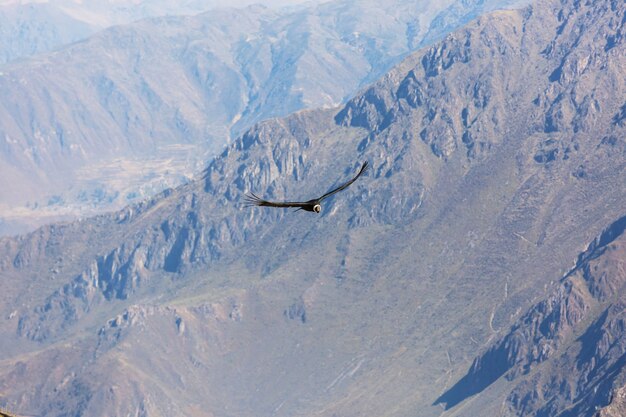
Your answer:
<point x="314" y="205"/>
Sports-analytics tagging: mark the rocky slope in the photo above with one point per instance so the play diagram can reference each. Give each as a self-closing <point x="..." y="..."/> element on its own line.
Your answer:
<point x="487" y="183"/>
<point x="138" y="108"/>
<point x="565" y="356"/>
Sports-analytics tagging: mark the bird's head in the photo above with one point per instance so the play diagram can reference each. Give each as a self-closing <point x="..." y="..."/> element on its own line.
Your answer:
<point x="317" y="208"/>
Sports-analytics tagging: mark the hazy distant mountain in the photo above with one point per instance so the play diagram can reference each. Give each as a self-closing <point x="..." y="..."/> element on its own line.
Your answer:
<point x="137" y="108"/>
<point x="490" y="226"/>
<point x="31" y="27"/>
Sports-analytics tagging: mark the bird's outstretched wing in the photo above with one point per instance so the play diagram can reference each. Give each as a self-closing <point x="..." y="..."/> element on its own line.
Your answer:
<point x="347" y="184"/>
<point x="254" y="200"/>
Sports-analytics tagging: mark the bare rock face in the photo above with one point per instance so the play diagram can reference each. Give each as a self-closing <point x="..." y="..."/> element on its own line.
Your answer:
<point x="466" y="246"/>
<point x="569" y="100"/>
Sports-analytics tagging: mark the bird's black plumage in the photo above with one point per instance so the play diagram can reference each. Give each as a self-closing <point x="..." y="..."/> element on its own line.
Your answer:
<point x="313" y="205"/>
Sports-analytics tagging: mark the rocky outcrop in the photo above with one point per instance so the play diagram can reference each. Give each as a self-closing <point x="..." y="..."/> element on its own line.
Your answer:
<point x="296" y="311"/>
<point x="433" y="107"/>
<point x="569" y="97"/>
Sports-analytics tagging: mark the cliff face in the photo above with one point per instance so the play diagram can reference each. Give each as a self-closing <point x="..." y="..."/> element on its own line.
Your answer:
<point x="497" y="155"/>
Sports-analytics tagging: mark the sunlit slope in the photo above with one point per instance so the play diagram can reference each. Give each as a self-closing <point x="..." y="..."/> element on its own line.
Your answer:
<point x="497" y="157"/>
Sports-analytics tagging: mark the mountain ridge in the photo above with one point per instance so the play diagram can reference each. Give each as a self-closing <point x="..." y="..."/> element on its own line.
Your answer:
<point x="42" y="26"/>
<point x="434" y="253"/>
<point x="137" y="108"/>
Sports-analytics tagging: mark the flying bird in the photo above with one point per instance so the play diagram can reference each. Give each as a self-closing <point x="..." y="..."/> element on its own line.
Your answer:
<point x="314" y="205"/>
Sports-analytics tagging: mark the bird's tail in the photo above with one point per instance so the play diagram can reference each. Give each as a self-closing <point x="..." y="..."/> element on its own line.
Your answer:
<point x="253" y="200"/>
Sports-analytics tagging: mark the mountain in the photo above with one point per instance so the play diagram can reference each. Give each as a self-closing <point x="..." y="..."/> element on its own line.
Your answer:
<point x="497" y="181"/>
<point x="566" y="355"/>
<point x="31" y="27"/>
<point x="137" y="108"/>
